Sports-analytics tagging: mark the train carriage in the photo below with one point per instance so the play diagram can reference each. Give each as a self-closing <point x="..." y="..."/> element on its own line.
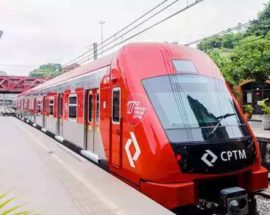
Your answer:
<point x="159" y="116"/>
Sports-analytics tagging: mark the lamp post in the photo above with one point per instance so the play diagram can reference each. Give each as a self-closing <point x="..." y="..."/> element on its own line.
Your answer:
<point x="101" y="31"/>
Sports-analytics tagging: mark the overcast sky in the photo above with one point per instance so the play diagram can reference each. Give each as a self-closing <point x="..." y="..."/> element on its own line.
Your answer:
<point x="48" y="31"/>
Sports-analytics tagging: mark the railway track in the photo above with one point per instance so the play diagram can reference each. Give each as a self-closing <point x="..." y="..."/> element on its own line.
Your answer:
<point x="263" y="205"/>
<point x="264" y="195"/>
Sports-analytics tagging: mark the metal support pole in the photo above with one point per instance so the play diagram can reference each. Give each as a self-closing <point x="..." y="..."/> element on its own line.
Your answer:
<point x="101" y="31"/>
<point x="95" y="50"/>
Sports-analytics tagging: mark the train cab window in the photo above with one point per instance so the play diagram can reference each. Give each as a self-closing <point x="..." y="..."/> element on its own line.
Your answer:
<point x="116" y="105"/>
<point x="97" y="108"/>
<point x="51" y="105"/>
<point x="184" y="66"/>
<point x="90" y="102"/>
<point x="72" y="107"/>
<point x="198" y="104"/>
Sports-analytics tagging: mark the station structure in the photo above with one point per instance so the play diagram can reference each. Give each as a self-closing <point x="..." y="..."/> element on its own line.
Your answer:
<point x="18" y="84"/>
<point x="11" y="86"/>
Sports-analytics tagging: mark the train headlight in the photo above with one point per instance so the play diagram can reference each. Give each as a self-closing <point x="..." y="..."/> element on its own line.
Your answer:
<point x="178" y="157"/>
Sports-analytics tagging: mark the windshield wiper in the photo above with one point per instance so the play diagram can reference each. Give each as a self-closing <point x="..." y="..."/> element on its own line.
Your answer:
<point x="219" y="121"/>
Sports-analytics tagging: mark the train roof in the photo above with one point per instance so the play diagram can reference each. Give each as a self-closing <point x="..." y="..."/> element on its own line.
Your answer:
<point x="99" y="63"/>
<point x="107" y="60"/>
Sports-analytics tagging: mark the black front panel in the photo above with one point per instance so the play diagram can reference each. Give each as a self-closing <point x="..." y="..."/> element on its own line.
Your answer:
<point x="215" y="157"/>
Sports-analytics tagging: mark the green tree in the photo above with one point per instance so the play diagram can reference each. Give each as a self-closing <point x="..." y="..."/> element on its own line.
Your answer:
<point x="261" y="26"/>
<point x="244" y="55"/>
<point x="2" y="73"/>
<point x="250" y="59"/>
<point x="210" y="43"/>
<point x="48" y="70"/>
<point x="229" y="41"/>
<point x="222" y="59"/>
<point x="226" y="41"/>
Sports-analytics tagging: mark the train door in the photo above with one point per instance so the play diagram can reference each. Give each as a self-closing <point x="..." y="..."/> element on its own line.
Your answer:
<point x="97" y="138"/>
<point x="44" y="111"/>
<point x="90" y="121"/>
<point x="60" y="116"/>
<point x="116" y="127"/>
<point x="35" y="110"/>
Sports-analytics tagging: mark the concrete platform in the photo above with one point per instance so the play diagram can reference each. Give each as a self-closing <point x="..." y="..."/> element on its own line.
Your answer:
<point x="47" y="178"/>
<point x="258" y="130"/>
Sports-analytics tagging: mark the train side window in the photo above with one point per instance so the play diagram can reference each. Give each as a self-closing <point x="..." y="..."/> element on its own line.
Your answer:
<point x="97" y="108"/>
<point x="90" y="102"/>
<point x="116" y="105"/>
<point x="51" y="105"/>
<point x="72" y="107"/>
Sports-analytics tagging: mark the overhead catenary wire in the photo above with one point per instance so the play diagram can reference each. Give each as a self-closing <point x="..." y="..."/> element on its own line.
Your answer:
<point x="133" y="22"/>
<point x="239" y="26"/>
<point x="87" y="58"/>
<point x="146" y="29"/>
<point x="144" y="21"/>
<point x="90" y="52"/>
<point x="89" y="55"/>
<point x="121" y="30"/>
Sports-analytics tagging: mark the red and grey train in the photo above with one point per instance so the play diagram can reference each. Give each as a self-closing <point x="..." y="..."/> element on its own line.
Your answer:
<point x="159" y="116"/>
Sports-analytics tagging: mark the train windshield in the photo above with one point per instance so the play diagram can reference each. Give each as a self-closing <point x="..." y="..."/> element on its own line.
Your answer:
<point x="194" y="108"/>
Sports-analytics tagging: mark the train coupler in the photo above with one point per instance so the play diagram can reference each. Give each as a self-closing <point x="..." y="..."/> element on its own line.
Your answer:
<point x="234" y="200"/>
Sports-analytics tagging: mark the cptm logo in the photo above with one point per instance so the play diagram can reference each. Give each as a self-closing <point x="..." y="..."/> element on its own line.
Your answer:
<point x="137" y="153"/>
<point x="209" y="158"/>
<point x="211" y="155"/>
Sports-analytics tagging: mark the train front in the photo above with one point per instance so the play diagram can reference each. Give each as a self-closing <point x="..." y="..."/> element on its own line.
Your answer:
<point x="200" y="148"/>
